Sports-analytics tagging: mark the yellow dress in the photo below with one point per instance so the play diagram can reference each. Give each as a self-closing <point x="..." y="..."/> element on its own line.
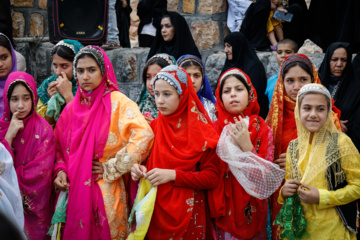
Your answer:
<point x="322" y="219"/>
<point x="130" y="140"/>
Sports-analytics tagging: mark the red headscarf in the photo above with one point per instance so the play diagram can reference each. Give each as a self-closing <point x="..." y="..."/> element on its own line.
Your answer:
<point x="238" y="202"/>
<point x="180" y="141"/>
<point x="81" y="134"/>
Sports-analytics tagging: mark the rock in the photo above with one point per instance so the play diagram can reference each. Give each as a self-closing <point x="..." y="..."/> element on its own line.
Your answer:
<point x="23" y="3"/>
<point x="172" y="5"/>
<point x="188" y="6"/>
<point x="272" y="67"/>
<point x="310" y="47"/>
<point x="24" y="49"/>
<point x="42" y="68"/>
<point x="205" y="33"/>
<point x="18" y="24"/>
<point x="43" y="4"/>
<point x="213" y="66"/>
<point x="212" y="7"/>
<point x="36" y="25"/>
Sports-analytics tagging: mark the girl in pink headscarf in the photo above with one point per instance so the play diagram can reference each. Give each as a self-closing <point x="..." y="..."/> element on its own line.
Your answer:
<point x="30" y="139"/>
<point x="99" y="136"/>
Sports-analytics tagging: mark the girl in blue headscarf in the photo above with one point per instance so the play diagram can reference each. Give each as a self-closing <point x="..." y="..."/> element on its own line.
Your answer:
<point x="196" y="70"/>
<point x="59" y="89"/>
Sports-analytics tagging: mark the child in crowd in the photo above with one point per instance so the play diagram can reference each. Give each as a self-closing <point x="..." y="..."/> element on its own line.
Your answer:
<point x="99" y="136"/>
<point x="196" y="70"/>
<point x="59" y="89"/>
<point x="274" y="27"/>
<point x="240" y="215"/>
<point x="30" y="140"/>
<point x="284" y="48"/>
<point x="183" y="162"/>
<point x="146" y="100"/>
<point x="322" y="174"/>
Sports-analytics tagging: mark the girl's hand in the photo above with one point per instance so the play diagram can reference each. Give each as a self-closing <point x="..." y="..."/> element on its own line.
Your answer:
<point x="241" y="135"/>
<point x="281" y="9"/>
<point x="61" y="181"/>
<point x="309" y="194"/>
<point x="52" y="89"/>
<point x="138" y="171"/>
<point x="343" y="126"/>
<point x="64" y="86"/>
<point x="97" y="168"/>
<point x="290" y="187"/>
<point x="281" y="161"/>
<point x="149" y="119"/>
<point x="159" y="176"/>
<point x="15" y="126"/>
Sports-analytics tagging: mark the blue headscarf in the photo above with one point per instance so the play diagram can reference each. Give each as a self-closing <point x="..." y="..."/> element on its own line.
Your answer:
<point x="205" y="91"/>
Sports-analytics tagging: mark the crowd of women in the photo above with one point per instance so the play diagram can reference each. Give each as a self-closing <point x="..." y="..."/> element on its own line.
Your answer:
<point x="80" y="160"/>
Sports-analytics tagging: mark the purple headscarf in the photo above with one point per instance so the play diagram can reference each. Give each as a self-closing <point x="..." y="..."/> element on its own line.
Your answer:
<point x="3" y="79"/>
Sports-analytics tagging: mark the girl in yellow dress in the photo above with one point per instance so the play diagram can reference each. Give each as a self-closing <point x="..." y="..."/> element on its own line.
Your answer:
<point x="322" y="174"/>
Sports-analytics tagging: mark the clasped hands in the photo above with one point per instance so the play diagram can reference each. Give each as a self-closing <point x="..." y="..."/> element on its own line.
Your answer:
<point x="156" y="176"/>
<point x="307" y="194"/>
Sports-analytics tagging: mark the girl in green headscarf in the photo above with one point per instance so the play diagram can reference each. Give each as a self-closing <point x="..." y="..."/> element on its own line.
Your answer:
<point x="59" y="89"/>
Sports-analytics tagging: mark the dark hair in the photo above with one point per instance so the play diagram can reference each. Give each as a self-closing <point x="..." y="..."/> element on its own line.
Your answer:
<point x="11" y="89"/>
<point x="166" y="16"/>
<point x="4" y="42"/>
<point x="240" y="78"/>
<point x="63" y="52"/>
<point x="294" y="45"/>
<point x="304" y="66"/>
<point x="157" y="60"/>
<point x="189" y="63"/>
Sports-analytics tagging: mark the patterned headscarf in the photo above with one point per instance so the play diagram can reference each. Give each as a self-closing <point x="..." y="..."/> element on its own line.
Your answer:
<point x="176" y="148"/>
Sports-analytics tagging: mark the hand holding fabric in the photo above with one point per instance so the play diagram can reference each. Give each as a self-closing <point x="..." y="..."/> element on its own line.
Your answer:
<point x="159" y="176"/>
<point x="64" y="86"/>
<point x="290" y="187"/>
<point x="97" y="168"/>
<point x="308" y="194"/>
<point x="52" y="89"/>
<point x="61" y="181"/>
<point x="138" y="171"/>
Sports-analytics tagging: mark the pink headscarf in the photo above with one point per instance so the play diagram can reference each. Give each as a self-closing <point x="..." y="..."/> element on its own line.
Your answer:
<point x="81" y="134"/>
<point x="33" y="150"/>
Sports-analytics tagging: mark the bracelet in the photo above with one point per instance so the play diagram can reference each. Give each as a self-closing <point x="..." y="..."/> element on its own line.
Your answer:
<point x="59" y="172"/>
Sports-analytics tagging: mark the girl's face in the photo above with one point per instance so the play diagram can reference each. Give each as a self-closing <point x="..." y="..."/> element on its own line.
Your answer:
<point x="235" y="96"/>
<point x="167" y="29"/>
<point x="338" y="62"/>
<point x="313" y="112"/>
<point x="228" y="51"/>
<point x="5" y="61"/>
<point x="62" y="65"/>
<point x="150" y="74"/>
<point x="196" y="76"/>
<point x="20" y="101"/>
<point x="88" y="73"/>
<point x="294" y="79"/>
<point x="166" y="98"/>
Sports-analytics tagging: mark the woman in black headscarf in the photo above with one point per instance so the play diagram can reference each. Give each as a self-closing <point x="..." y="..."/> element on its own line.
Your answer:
<point x="336" y="74"/>
<point x="257" y="15"/>
<point x="174" y="37"/>
<point x="239" y="54"/>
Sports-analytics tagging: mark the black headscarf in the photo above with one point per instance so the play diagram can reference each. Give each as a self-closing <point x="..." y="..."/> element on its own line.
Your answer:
<point x="354" y="131"/>
<point x="245" y="58"/>
<point x="182" y="42"/>
<point x="347" y="96"/>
